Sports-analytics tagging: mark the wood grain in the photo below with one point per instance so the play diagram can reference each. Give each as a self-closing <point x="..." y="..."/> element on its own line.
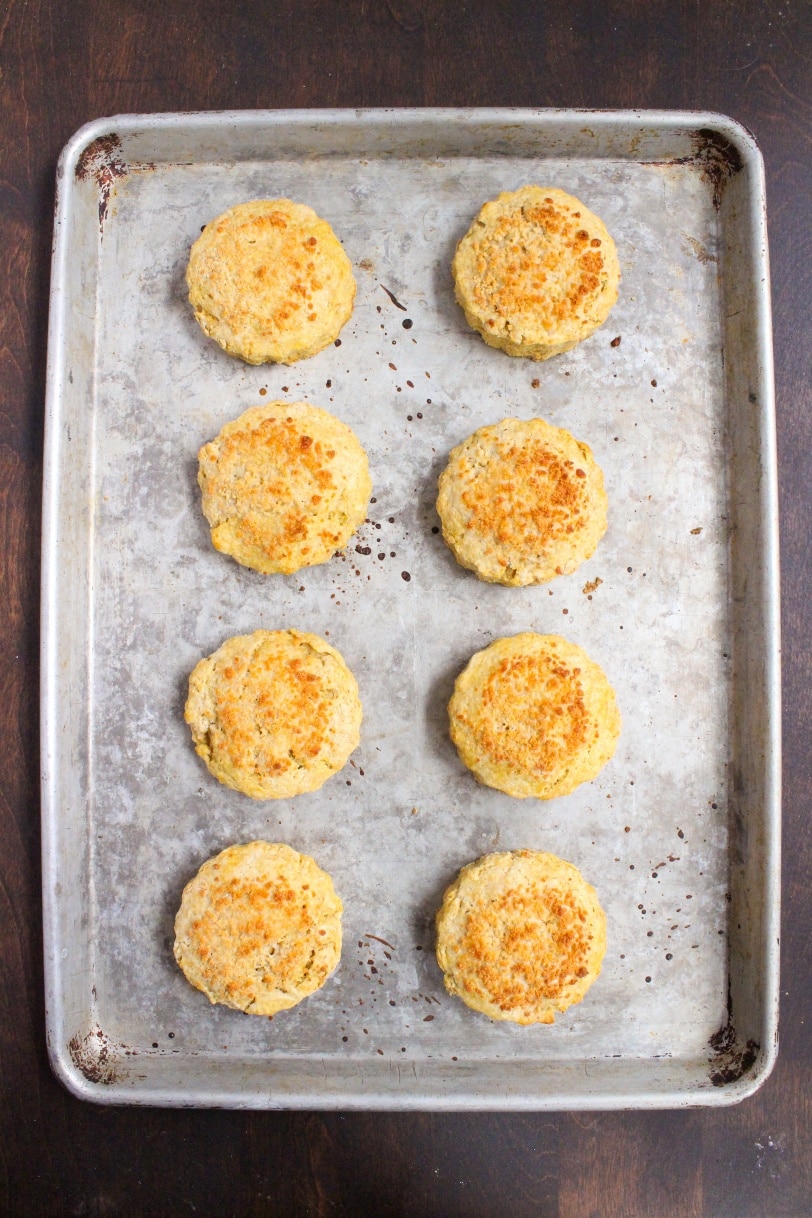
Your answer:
<point x="62" y="64"/>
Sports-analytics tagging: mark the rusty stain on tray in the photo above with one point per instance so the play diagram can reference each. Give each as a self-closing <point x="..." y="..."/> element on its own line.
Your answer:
<point x="718" y="160"/>
<point x="94" y="1056"/>
<point x="732" y="1059"/>
<point x="101" y="161"/>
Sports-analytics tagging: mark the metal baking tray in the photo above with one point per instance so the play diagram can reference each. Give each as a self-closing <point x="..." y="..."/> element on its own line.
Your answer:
<point x="679" y="833"/>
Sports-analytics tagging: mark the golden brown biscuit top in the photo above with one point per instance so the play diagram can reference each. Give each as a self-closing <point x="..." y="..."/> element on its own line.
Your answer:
<point x="274" y="713"/>
<point x="259" y="244"/>
<point x="259" y="927"/>
<point x="533" y="715"/>
<point x="549" y="720"/>
<point x="269" y="280"/>
<point x="538" y="261"/>
<point x="284" y="486"/>
<point x="530" y="493"/>
<point x="544" y="933"/>
<point x="520" y="934"/>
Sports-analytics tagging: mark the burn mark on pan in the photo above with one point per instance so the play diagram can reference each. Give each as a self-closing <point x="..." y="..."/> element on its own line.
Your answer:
<point x="96" y="1057"/>
<point x="731" y="1059"/>
<point x="733" y="1062"/>
<point x="102" y="161"/>
<point x="718" y="160"/>
<point x="716" y="157"/>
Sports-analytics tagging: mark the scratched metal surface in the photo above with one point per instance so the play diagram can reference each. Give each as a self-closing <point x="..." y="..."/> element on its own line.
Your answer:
<point x="134" y="595"/>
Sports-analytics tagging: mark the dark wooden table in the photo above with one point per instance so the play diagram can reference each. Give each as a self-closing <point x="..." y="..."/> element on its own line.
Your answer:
<point x="63" y="63"/>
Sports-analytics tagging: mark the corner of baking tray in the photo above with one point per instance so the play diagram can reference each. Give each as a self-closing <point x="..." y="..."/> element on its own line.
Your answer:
<point x="79" y="143"/>
<point x="730" y="140"/>
<point x="89" y="1065"/>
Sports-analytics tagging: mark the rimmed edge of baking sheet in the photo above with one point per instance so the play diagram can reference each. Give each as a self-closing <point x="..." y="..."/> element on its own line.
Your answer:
<point x="87" y="1063"/>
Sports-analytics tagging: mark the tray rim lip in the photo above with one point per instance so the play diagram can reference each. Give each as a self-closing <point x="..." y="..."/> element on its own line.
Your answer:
<point x="129" y="123"/>
<point x="132" y="122"/>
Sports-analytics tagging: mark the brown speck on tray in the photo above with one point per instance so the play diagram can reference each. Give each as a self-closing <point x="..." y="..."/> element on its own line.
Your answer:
<point x="654" y="384"/>
<point x="394" y="299"/>
<point x="535" y="382"/>
<point x="427" y="1018"/>
<point x="263" y="391"/>
<point x="404" y="575"/>
<point x="694" y="532"/>
<point x="615" y="341"/>
<point x="407" y="323"/>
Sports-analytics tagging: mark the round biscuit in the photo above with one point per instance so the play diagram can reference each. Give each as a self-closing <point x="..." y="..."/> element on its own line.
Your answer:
<point x="521" y="502"/>
<point x="270" y="282"/>
<point x="258" y="928"/>
<point x="533" y="715"/>
<point x="274" y="713"/>
<point x="536" y="272"/>
<point x="520" y="935"/>
<point x="283" y="486"/>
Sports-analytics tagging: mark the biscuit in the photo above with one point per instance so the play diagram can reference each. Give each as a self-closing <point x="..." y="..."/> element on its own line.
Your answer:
<point x="520" y="935"/>
<point x="536" y="272"/>
<point x="259" y="928"/>
<point x="522" y="502"/>
<point x="270" y="282"/>
<point x="533" y="715"/>
<point x="284" y="486"/>
<point x="274" y="713"/>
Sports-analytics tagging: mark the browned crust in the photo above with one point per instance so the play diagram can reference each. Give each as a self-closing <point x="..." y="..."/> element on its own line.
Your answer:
<point x="520" y="936"/>
<point x="259" y="928"/>
<point x="522" y="502"/>
<point x="533" y="715"/>
<point x="536" y="272"/>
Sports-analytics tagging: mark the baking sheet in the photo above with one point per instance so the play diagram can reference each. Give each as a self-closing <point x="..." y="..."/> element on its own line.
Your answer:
<point x="679" y="833"/>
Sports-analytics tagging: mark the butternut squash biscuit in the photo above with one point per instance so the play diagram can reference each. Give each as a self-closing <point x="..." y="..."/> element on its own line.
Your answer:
<point x="521" y="502"/>
<point x="259" y="928"/>
<point x="520" y="935"/>
<point x="274" y="713"/>
<point x="284" y="486"/>
<point x="536" y="272"/>
<point x="533" y="715"/>
<point x="270" y="282"/>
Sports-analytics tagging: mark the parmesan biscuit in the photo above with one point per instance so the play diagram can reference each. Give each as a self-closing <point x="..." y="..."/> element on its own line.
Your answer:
<point x="536" y="272"/>
<point x="269" y="281"/>
<point x="522" y="502"/>
<point x="259" y="928"/>
<point x="274" y="713"/>
<point x="533" y="715"/>
<point x="520" y="935"/>
<point x="284" y="486"/>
